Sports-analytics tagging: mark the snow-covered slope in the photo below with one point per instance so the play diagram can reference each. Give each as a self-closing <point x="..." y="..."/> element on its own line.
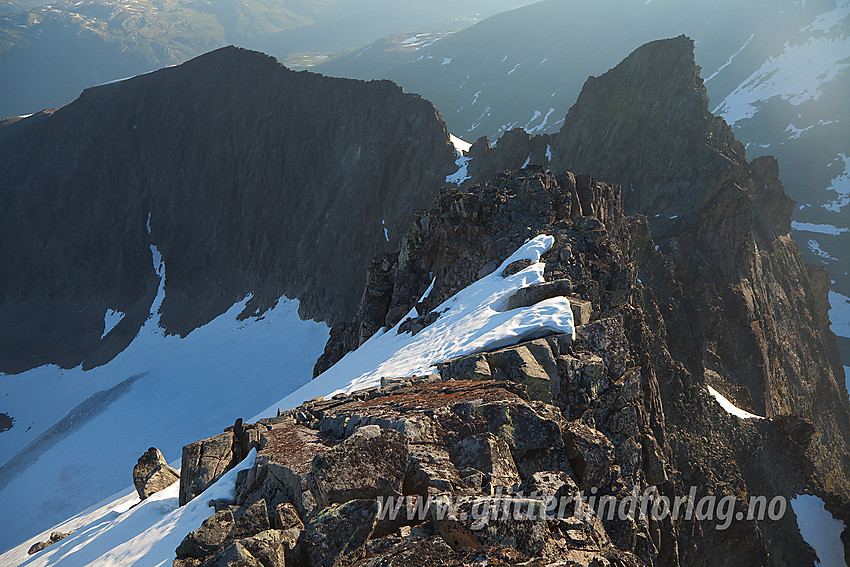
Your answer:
<point x="113" y="534"/>
<point x="77" y="434"/>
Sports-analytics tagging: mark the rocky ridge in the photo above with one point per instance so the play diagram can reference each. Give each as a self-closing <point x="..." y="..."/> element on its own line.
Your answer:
<point x="611" y="409"/>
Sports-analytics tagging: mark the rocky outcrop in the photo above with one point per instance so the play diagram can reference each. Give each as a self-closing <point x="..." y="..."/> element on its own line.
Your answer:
<point x="481" y="440"/>
<point x="254" y="179"/>
<point x="152" y="474"/>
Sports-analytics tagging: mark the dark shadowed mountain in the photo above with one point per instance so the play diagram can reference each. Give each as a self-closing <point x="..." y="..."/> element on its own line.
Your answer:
<point x="249" y="178"/>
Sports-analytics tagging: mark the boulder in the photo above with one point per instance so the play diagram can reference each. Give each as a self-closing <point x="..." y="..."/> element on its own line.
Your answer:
<point x="267" y="547"/>
<point x="430" y="471"/>
<point x="409" y="552"/>
<point x="235" y="555"/>
<point x="203" y="463"/>
<point x="369" y="464"/>
<point x="286" y="517"/>
<point x="519" y="365"/>
<point x="472" y="367"/>
<point x="152" y="474"/>
<point x="591" y="454"/>
<point x="582" y="309"/>
<point x="489" y="454"/>
<point x="284" y="464"/>
<point x="337" y="535"/>
<point x="250" y="520"/>
<point x="534" y="294"/>
<point x="54" y="537"/>
<point x="522" y="428"/>
<point x="516" y="267"/>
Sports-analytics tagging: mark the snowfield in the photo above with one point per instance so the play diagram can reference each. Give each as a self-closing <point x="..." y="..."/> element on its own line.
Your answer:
<point x="112" y="533"/>
<point x="78" y="434"/>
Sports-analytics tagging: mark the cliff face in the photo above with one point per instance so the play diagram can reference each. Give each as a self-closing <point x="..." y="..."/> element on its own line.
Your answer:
<point x="247" y="177"/>
<point x="747" y="313"/>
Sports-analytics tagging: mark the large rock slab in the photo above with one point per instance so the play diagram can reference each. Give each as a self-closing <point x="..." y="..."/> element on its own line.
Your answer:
<point x="203" y="463"/>
<point x="152" y="474"/>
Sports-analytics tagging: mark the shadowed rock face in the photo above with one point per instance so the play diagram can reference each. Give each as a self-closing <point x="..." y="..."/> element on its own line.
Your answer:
<point x="257" y="179"/>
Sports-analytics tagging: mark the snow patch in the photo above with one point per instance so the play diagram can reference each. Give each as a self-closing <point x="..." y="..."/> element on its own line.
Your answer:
<point x="462" y="173"/>
<point x="820" y="529"/>
<point x="461" y="146"/>
<point x="111" y="318"/>
<point x="127" y="531"/>
<point x="730" y="407"/>
<point x="542" y="124"/>
<point x="840" y="185"/>
<point x="814" y="246"/>
<point x="839" y="314"/>
<point x="182" y="389"/>
<point x="819" y="228"/>
<point x="446" y="60"/>
<point x="828" y="20"/>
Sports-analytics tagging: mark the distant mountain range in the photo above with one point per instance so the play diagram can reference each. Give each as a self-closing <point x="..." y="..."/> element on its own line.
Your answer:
<point x="776" y="71"/>
<point x="50" y="52"/>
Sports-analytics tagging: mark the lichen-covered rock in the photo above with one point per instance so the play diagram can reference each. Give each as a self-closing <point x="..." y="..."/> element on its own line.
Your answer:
<point x="591" y="454"/>
<point x="369" y="464"/>
<point x="152" y="474"/>
<point x="208" y="538"/>
<point x="522" y="427"/>
<point x="337" y="535"/>
<point x="472" y="367"/>
<point x="235" y="555"/>
<point x="283" y="467"/>
<point x="251" y="519"/>
<point x="286" y="517"/>
<point x="266" y="547"/>
<point x="519" y="365"/>
<point x="489" y="454"/>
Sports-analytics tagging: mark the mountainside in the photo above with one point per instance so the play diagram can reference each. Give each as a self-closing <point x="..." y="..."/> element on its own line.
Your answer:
<point x="777" y="74"/>
<point x="492" y="416"/>
<point x="744" y="305"/>
<point x="617" y="306"/>
<point x="238" y="172"/>
<point x="50" y="52"/>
